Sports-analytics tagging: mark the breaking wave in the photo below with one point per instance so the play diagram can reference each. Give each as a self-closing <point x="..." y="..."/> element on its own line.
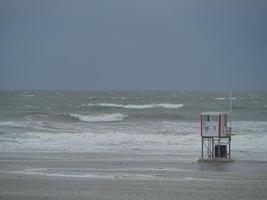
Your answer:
<point x="223" y="98"/>
<point x="136" y="106"/>
<point x="100" y="118"/>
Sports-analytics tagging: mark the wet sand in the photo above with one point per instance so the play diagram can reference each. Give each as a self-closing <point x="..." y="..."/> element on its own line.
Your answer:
<point x="127" y="176"/>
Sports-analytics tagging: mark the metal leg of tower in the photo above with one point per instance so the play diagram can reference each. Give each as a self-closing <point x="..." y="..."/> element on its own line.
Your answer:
<point x="229" y="148"/>
<point x="212" y="147"/>
<point x="202" y="148"/>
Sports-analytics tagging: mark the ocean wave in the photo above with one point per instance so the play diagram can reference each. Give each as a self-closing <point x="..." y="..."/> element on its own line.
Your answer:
<point x="180" y="138"/>
<point x="28" y="95"/>
<point x="119" y="98"/>
<point x="223" y="98"/>
<point x="136" y="106"/>
<point x="100" y="118"/>
<point x="32" y="107"/>
<point x="12" y="124"/>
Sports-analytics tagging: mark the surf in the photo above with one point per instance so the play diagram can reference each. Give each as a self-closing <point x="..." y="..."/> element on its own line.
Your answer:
<point x="137" y="106"/>
<point x="100" y="117"/>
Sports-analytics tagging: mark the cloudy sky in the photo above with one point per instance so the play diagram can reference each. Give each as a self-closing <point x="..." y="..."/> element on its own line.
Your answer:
<point x="133" y="44"/>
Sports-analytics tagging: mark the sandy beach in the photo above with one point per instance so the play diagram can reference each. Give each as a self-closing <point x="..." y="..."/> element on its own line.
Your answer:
<point x="126" y="176"/>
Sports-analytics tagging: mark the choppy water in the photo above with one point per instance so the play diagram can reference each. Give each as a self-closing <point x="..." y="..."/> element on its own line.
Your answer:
<point x="141" y="122"/>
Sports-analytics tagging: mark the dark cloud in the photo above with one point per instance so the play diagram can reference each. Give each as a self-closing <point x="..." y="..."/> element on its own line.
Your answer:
<point x="141" y="44"/>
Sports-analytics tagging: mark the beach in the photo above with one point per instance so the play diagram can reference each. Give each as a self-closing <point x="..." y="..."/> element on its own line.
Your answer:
<point x="25" y="175"/>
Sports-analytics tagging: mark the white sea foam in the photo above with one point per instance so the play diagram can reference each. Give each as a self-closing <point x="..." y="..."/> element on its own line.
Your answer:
<point x="119" y="98"/>
<point x="180" y="138"/>
<point x="100" y="117"/>
<point x="31" y="107"/>
<point x="93" y="173"/>
<point x="29" y="95"/>
<point x="107" y="105"/>
<point x="162" y="105"/>
<point x="223" y="98"/>
<point x="164" y="137"/>
<point x="136" y="106"/>
<point x="12" y="124"/>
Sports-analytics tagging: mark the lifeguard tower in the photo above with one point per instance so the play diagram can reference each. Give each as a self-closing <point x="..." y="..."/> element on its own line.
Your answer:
<point x="215" y="136"/>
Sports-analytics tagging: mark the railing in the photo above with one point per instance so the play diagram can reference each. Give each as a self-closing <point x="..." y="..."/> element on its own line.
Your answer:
<point x="228" y="130"/>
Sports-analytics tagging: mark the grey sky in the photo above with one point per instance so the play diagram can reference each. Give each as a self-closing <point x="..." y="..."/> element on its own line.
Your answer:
<point x="133" y="44"/>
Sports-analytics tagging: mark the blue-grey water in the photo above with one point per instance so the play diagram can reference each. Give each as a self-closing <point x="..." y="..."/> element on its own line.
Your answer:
<point x="128" y="121"/>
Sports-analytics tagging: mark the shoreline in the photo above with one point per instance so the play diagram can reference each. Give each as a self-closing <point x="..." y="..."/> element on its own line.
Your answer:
<point x="53" y="175"/>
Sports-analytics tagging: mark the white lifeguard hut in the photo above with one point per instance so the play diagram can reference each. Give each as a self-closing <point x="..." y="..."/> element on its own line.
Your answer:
<point x="215" y="136"/>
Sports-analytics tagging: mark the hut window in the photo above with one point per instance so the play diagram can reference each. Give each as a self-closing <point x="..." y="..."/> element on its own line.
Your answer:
<point x="214" y="118"/>
<point x="207" y="118"/>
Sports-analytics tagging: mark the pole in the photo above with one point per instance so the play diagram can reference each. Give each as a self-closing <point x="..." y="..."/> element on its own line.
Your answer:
<point x="231" y="105"/>
<point x="202" y="147"/>
<point x="212" y="148"/>
<point x="230" y="147"/>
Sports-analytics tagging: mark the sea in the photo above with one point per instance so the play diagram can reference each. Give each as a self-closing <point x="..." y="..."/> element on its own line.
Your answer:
<point x="129" y="122"/>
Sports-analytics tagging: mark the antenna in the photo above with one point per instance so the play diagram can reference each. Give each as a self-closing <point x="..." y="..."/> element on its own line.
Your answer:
<point x="231" y="106"/>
